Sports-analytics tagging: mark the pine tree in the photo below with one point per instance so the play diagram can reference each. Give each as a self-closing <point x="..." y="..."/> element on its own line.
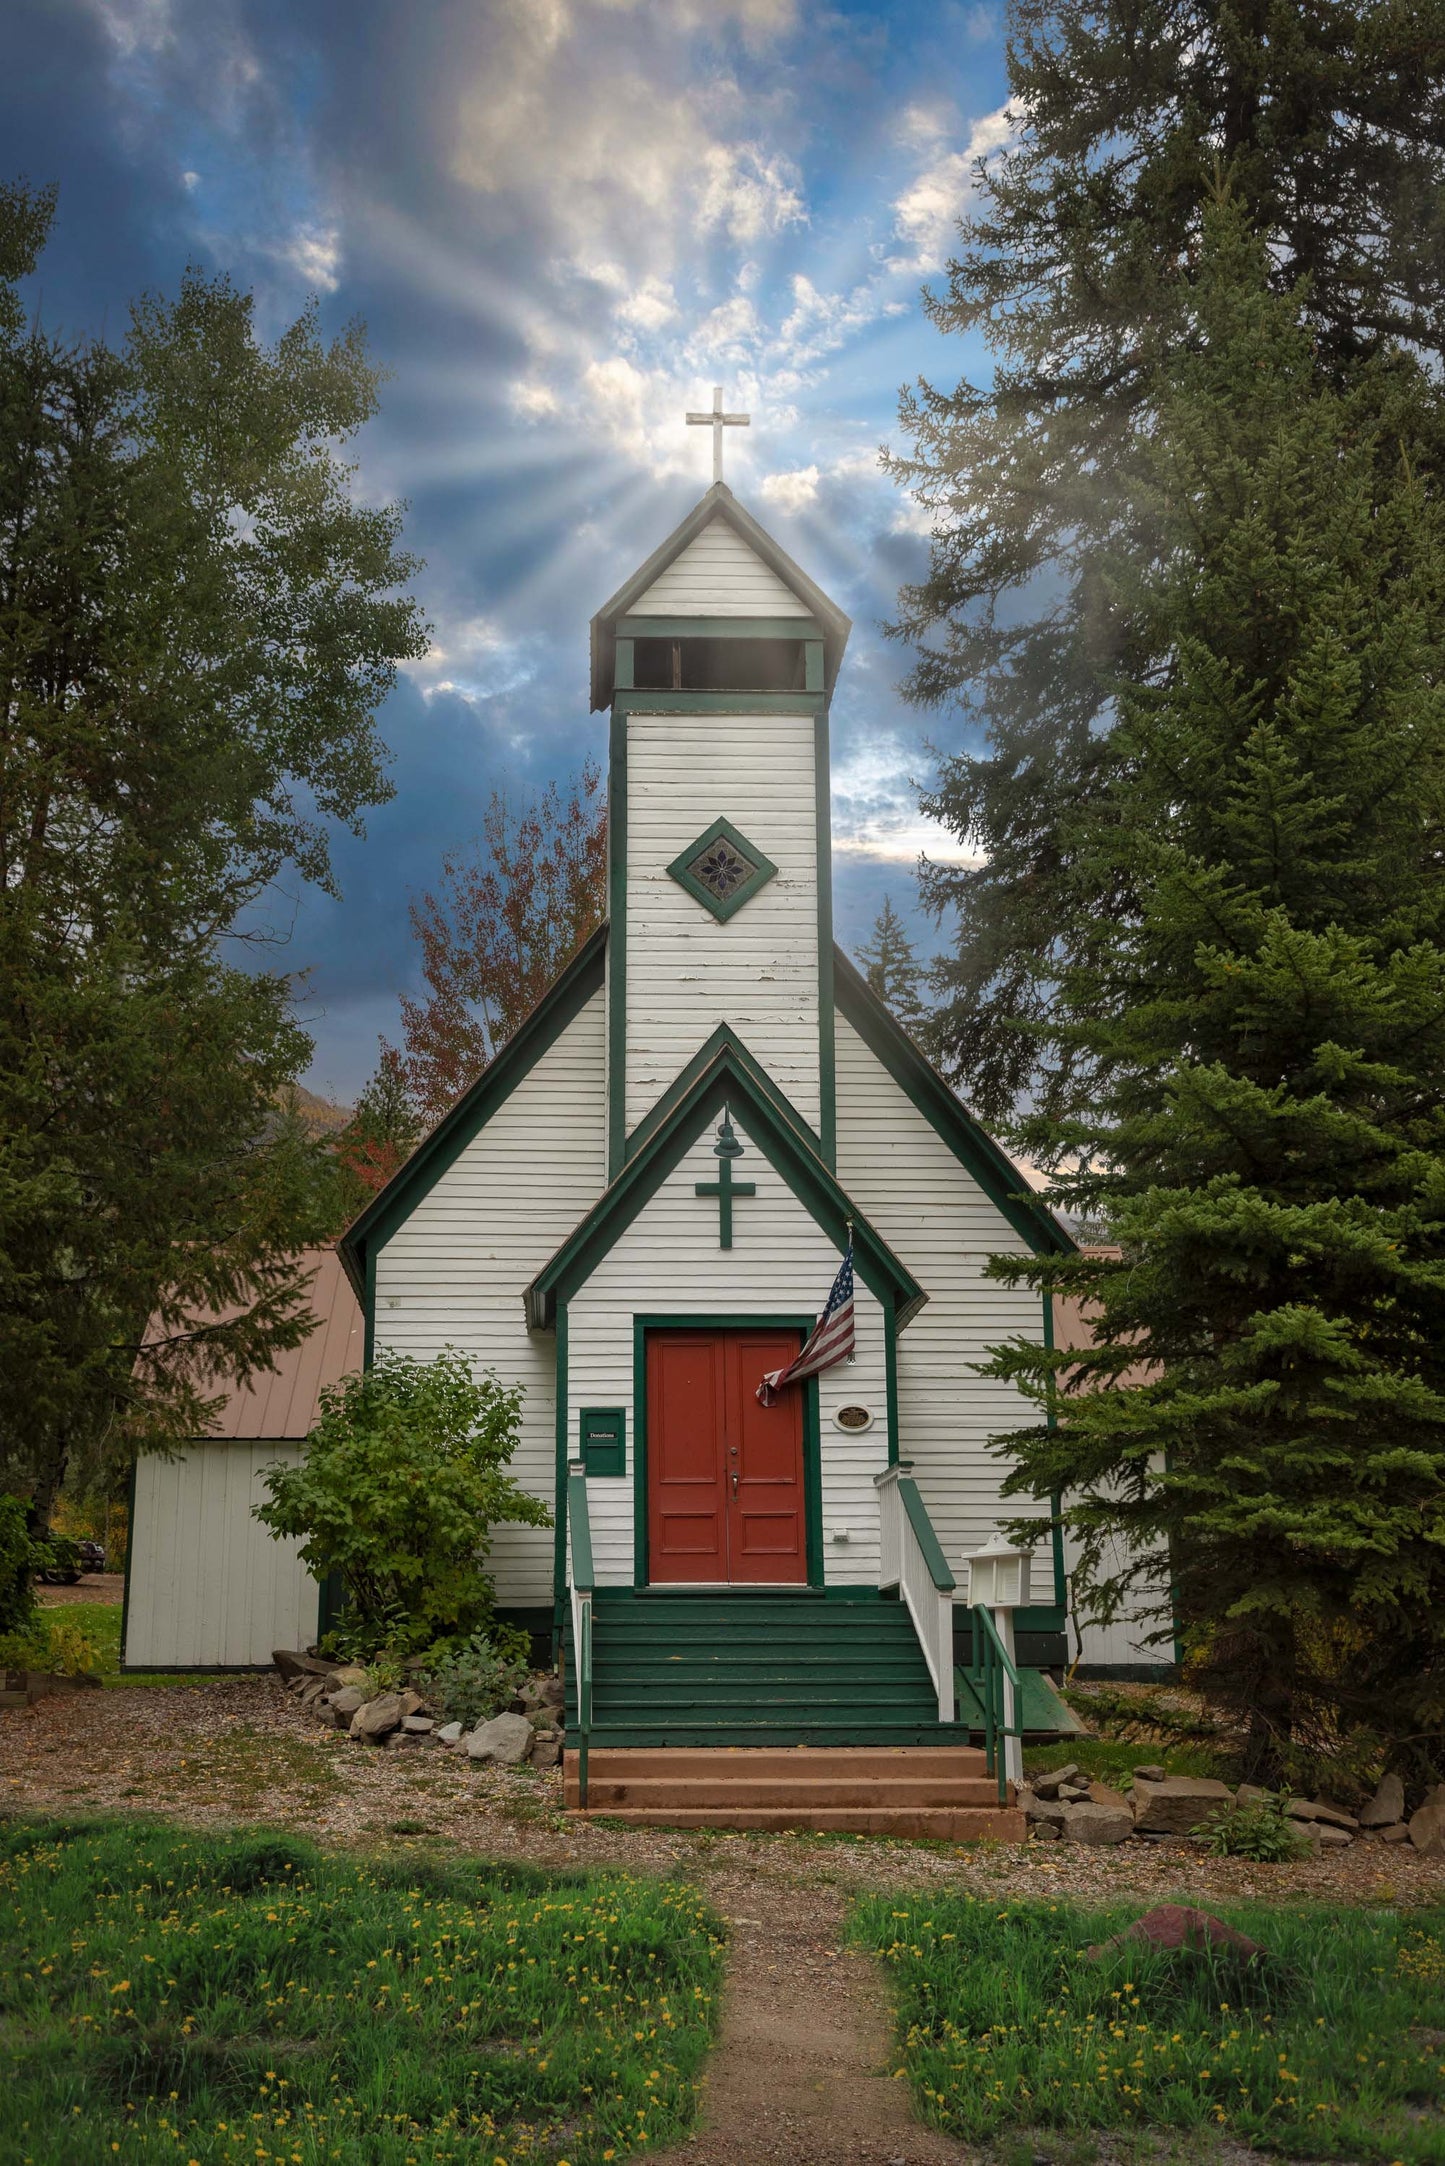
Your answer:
<point x="891" y="966"/>
<point x="1076" y="269"/>
<point x="1259" y="1111"/>
<point x="380" y="1136"/>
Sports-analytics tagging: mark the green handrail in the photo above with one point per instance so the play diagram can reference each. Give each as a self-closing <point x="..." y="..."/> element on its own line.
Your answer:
<point x="583" y="1584"/>
<point x="994" y="1665"/>
<point x="924" y="1535"/>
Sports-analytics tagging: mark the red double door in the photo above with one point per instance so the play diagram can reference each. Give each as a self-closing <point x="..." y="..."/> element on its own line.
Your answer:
<point x="724" y="1474"/>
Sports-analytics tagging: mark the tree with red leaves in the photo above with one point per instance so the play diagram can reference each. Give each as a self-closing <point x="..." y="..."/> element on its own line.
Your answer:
<point x="512" y="911"/>
<point x="379" y="1137"/>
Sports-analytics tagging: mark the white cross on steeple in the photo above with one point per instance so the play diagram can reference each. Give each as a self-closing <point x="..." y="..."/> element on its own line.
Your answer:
<point x="717" y="421"/>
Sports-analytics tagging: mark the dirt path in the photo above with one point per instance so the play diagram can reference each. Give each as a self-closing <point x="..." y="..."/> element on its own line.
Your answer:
<point x="801" y="2075"/>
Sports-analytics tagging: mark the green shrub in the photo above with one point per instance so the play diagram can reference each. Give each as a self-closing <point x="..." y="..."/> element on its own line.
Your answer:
<point x="475" y="1680"/>
<point x="20" y="1560"/>
<point x="402" y="1481"/>
<point x="1262" y="1831"/>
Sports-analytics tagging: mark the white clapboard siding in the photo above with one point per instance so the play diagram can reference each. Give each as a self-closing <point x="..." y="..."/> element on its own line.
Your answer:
<point x="939" y="1222"/>
<point x="718" y="575"/>
<point x="781" y="1263"/>
<point x="455" y="1272"/>
<point x="686" y="973"/>
<point x="208" y="1587"/>
<point x="1125" y="1643"/>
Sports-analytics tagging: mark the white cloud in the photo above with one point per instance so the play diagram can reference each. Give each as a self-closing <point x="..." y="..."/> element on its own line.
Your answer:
<point x="929" y="208"/>
<point x="650" y="307"/>
<point x="790" y="492"/>
<point x="534" y="400"/>
<point x="315" y="253"/>
<point x="473" y="660"/>
<point x="875" y="808"/>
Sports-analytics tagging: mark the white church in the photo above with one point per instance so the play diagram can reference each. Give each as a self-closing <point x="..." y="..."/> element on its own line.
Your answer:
<point x="639" y="1210"/>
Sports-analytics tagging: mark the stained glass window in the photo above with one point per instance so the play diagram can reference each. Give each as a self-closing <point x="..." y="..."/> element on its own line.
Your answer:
<point x="722" y="869"/>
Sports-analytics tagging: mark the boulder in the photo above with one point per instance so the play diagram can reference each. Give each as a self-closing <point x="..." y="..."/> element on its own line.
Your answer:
<point x="1052" y="1780"/>
<point x="345" y="1703"/>
<point x="1152" y="1773"/>
<point x="1249" y="1793"/>
<point x="350" y="1673"/>
<point x="291" y="1663"/>
<point x="450" y="1733"/>
<point x="312" y="1690"/>
<point x="1331" y="1816"/>
<point x="1427" y="1824"/>
<point x="1041" y="1811"/>
<point x="1397" y="1834"/>
<point x="1073" y="1793"/>
<point x="377" y="1717"/>
<point x="546" y="1752"/>
<point x="552" y="1690"/>
<point x="411" y="1702"/>
<point x="506" y="1740"/>
<point x="1101" y="1794"/>
<point x="1177" y="1805"/>
<point x="1097" y="1825"/>
<point x="1387" y="1807"/>
<point x="1045" y="1831"/>
<point x="1175" y="1925"/>
<point x="418" y="1725"/>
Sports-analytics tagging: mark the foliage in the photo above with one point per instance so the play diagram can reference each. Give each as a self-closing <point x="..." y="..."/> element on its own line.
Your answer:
<point x="20" y="1560"/>
<point x="58" y="1555"/>
<point x="197" y="623"/>
<point x="891" y="966"/>
<point x="1262" y="1831"/>
<point x="379" y="1137"/>
<point x="1076" y="267"/>
<point x="475" y="1679"/>
<point x="427" y="2009"/>
<point x="1144" y="1716"/>
<point x="511" y="913"/>
<point x="55" y="1641"/>
<point x="401" y="1483"/>
<point x="1323" y="2050"/>
<point x="1255" y="1435"/>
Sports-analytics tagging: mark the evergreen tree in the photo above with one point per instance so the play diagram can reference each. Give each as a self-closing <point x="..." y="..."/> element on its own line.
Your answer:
<point x="380" y="1136"/>
<point x="891" y="966"/>
<point x="197" y="621"/>
<point x="1259" y="1111"/>
<point x="1077" y="268"/>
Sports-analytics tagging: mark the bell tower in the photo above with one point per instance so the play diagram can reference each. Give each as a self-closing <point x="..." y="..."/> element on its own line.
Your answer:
<point x="717" y="659"/>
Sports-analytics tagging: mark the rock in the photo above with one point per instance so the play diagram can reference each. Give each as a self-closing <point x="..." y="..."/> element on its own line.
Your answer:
<point x="350" y="1673"/>
<point x="505" y="1739"/>
<point x="312" y="1690"/>
<point x="1101" y="1794"/>
<point x="1427" y="1824"/>
<point x="411" y="1702"/>
<point x="1310" y="1808"/>
<point x="450" y="1733"/>
<point x="291" y="1663"/>
<point x="1177" y="1805"/>
<point x="418" y="1725"/>
<point x="1149" y="1774"/>
<point x="377" y="1717"/>
<point x="1073" y="1793"/>
<point x="546" y="1752"/>
<point x="345" y="1703"/>
<point x="1175" y="1925"/>
<point x="553" y="1691"/>
<point x="1397" y="1834"/>
<point x="1387" y="1807"/>
<point x="1097" y="1825"/>
<point x="1045" y="1831"/>
<point x="1249" y="1793"/>
<point x="1041" y="1811"/>
<point x="1052" y="1780"/>
<point x="1324" y="1837"/>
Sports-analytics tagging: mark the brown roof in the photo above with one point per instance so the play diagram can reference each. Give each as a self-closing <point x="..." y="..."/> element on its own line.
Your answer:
<point x="282" y="1402"/>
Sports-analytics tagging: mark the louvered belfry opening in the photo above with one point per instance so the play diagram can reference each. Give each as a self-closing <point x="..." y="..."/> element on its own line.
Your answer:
<point x="692" y="664"/>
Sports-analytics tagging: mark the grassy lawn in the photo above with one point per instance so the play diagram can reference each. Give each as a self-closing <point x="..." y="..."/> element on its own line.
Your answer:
<point x="1112" y="1759"/>
<point x="167" y="1996"/>
<point x="100" y="1622"/>
<point x="1335" y="2048"/>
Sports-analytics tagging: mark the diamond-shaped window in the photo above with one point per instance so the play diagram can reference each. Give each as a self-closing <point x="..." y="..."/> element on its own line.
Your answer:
<point x="722" y="870"/>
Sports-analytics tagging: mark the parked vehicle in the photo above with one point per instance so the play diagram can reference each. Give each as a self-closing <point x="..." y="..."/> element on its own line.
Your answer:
<point x="64" y="1568"/>
<point x="92" y="1556"/>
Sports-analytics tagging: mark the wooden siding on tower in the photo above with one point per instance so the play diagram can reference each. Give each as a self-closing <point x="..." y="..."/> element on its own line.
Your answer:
<point x="686" y="973"/>
<point x="209" y="1589"/>
<point x="939" y="1222"/>
<point x="781" y="1263"/>
<point x="717" y="575"/>
<point x="453" y="1273"/>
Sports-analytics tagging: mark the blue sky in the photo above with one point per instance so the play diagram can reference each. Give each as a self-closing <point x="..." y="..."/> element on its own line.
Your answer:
<point x="562" y="221"/>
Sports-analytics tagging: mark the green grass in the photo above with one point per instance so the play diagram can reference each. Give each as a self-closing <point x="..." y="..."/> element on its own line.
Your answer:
<point x="100" y="1622"/>
<point x="166" y="1996"/>
<point x="1335" y="2049"/>
<point x="1112" y="1759"/>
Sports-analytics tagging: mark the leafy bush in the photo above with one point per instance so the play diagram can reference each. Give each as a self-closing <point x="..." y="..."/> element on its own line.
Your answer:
<point x="402" y="1481"/>
<point x="20" y="1560"/>
<point x="1262" y="1831"/>
<point x="475" y="1679"/>
<point x="57" y="1644"/>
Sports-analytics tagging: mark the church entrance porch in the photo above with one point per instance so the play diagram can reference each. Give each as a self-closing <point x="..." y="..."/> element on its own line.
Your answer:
<point x="726" y="1502"/>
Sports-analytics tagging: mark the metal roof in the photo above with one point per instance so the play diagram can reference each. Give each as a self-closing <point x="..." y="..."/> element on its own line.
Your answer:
<point x="283" y="1402"/>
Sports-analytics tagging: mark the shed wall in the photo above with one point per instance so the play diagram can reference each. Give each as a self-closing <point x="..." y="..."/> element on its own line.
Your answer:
<point x="454" y="1273"/>
<point x="718" y="575"/>
<point x="208" y="1587"/>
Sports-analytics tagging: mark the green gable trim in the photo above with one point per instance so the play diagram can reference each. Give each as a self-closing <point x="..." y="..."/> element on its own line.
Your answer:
<point x="719" y="628"/>
<point x="771" y="1126"/>
<point x="559" y="1006"/>
<point x="722" y="702"/>
<point x="724" y="1038"/>
<point x="722" y="907"/>
<point x="617" y="945"/>
<point x="827" y="1027"/>
<point x="921" y="1082"/>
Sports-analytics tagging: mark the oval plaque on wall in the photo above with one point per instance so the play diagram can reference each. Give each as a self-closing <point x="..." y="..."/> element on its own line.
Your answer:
<point x="853" y="1417"/>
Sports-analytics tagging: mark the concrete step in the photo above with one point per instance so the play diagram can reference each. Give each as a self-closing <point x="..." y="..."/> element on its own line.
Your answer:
<point x="796" y="1794"/>
<point x="783" y="1763"/>
<point x="961" y="1824"/>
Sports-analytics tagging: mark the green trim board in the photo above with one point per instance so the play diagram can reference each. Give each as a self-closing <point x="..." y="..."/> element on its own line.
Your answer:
<point x="946" y="1113"/>
<point x="812" y="1439"/>
<point x="805" y="628"/>
<point x="890" y="1384"/>
<point x="130" y="1486"/>
<point x="645" y="702"/>
<point x="559" y="1006"/>
<point x="559" y="1500"/>
<point x="724" y="1037"/>
<point x="617" y="943"/>
<point x="1056" y="1501"/>
<point x="823" y="880"/>
<point x="770" y="1124"/>
<point x="722" y="907"/>
<point x="718" y="503"/>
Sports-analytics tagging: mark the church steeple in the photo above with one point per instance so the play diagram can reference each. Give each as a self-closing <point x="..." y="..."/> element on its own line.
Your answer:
<point x="718" y="659"/>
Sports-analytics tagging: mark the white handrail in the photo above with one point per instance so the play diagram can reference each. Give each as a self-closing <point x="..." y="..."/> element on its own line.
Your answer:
<point x="911" y="1560"/>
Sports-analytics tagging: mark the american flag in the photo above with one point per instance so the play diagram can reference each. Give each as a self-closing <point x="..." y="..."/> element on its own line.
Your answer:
<point x="830" y="1340"/>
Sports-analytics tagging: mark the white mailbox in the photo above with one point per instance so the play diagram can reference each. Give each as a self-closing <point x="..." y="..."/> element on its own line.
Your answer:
<point x="998" y="1574"/>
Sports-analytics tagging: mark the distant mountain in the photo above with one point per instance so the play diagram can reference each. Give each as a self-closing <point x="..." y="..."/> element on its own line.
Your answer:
<point x="321" y="1116"/>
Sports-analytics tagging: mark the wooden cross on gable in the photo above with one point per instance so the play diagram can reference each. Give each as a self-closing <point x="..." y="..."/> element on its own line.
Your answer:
<point x="726" y="1149"/>
<point x="717" y="421"/>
